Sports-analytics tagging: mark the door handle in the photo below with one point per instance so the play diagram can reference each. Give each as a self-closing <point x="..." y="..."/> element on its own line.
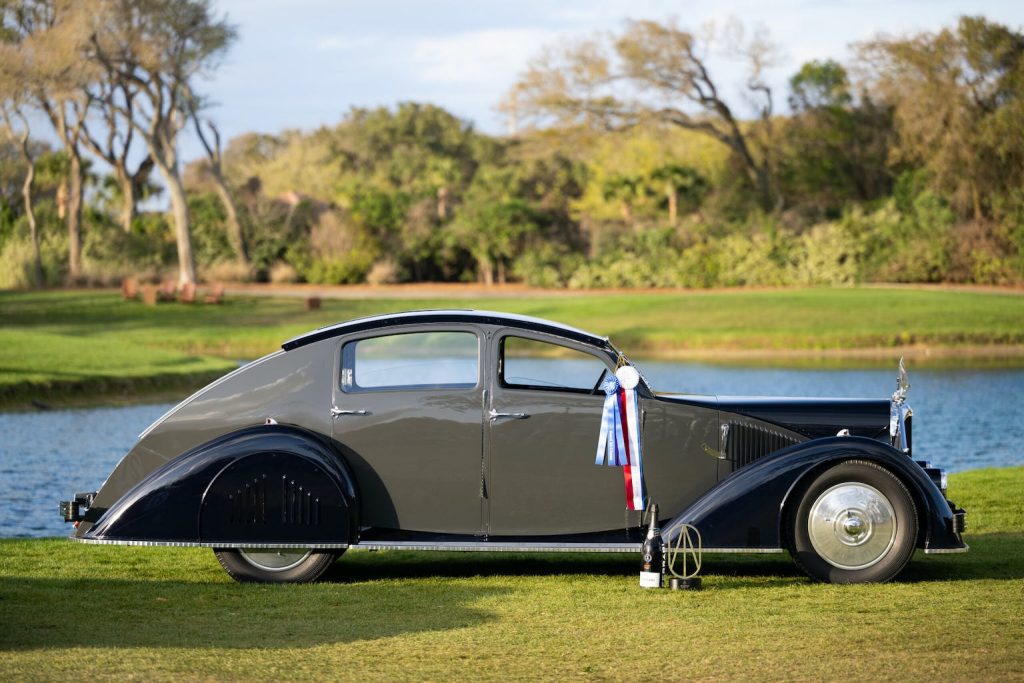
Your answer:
<point x="336" y="411"/>
<point x="494" y="415"/>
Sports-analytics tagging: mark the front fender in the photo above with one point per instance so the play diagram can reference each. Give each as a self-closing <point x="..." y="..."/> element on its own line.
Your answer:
<point x="259" y="485"/>
<point x="745" y="510"/>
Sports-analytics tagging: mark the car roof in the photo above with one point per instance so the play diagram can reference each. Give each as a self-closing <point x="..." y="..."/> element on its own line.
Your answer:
<point x="375" y="322"/>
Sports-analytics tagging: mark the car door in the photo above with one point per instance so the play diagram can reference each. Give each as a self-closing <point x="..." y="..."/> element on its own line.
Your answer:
<point x="543" y="422"/>
<point x="408" y="415"/>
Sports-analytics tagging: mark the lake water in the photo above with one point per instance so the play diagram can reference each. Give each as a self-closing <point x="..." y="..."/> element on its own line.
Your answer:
<point x="963" y="419"/>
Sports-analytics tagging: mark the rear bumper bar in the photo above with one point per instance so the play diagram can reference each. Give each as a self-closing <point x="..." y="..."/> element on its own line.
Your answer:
<point x="74" y="510"/>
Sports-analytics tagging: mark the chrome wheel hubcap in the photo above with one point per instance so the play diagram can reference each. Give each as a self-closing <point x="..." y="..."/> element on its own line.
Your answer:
<point x="274" y="559"/>
<point x="852" y="525"/>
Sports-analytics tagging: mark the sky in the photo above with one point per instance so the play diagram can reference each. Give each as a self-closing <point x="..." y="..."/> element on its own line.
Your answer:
<point x="304" y="63"/>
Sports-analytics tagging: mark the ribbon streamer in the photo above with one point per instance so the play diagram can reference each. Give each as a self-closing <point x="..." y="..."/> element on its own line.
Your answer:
<point x="619" y="442"/>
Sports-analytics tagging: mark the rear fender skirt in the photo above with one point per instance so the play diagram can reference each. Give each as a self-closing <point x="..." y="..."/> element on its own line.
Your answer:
<point x="265" y="484"/>
<point x="746" y="508"/>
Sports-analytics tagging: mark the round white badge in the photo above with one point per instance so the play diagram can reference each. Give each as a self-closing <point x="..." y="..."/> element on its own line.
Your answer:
<point x="628" y="377"/>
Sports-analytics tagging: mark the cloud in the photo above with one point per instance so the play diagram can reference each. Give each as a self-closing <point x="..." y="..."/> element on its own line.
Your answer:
<point x="477" y="58"/>
<point x="340" y="43"/>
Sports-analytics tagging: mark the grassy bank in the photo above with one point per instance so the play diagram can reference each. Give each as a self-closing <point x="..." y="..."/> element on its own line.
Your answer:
<point x="56" y="346"/>
<point x="164" y="614"/>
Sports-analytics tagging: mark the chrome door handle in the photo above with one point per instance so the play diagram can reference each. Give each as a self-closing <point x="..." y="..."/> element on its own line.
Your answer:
<point x="335" y="412"/>
<point x="494" y="415"/>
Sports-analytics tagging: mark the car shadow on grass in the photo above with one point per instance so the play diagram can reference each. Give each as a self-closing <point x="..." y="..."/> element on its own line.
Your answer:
<point x="92" y="613"/>
<point x="992" y="556"/>
<point x="356" y="567"/>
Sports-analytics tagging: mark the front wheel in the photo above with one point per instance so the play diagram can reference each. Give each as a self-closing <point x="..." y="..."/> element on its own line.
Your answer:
<point x="275" y="565"/>
<point x="855" y="523"/>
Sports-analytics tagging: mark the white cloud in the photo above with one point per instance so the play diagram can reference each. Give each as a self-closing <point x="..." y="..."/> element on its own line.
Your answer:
<point x="477" y="58"/>
<point x="338" y="43"/>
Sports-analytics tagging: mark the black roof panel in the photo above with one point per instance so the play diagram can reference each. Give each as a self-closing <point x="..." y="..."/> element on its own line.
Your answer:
<point x="445" y="316"/>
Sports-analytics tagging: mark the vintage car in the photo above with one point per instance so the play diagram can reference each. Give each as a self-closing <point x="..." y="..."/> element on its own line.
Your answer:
<point x="474" y="430"/>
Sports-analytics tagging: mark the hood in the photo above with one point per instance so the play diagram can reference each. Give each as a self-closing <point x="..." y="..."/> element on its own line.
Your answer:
<point x="811" y="417"/>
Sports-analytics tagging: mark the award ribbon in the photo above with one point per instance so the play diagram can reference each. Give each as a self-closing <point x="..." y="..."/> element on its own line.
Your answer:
<point x="619" y="441"/>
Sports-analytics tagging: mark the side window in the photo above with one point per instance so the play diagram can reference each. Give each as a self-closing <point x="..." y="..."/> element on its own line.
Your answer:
<point x="417" y="360"/>
<point x="531" y="364"/>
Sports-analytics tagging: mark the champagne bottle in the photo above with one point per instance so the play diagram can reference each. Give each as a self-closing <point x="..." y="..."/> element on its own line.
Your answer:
<point x="652" y="569"/>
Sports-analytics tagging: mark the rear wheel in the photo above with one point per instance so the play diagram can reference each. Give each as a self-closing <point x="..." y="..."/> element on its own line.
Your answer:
<point x="855" y="523"/>
<point x="275" y="565"/>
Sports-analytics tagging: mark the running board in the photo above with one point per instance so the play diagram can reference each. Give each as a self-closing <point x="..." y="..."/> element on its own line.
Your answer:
<point x="453" y="546"/>
<point x="499" y="546"/>
<point x="528" y="547"/>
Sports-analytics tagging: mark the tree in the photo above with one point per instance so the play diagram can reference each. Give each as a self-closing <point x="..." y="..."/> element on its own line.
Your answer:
<point x="158" y="48"/>
<point x="115" y="101"/>
<point x="493" y="221"/>
<point x="44" y="55"/>
<point x="835" y="146"/>
<point x="10" y="111"/>
<point x="958" y="102"/>
<point x="657" y="72"/>
<point x="678" y="180"/>
<point x="215" y="167"/>
<point x="625" y="190"/>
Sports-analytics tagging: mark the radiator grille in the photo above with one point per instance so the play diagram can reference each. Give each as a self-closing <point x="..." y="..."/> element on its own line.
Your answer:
<point x="747" y="443"/>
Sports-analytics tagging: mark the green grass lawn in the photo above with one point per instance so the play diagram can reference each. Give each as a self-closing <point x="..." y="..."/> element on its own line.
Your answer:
<point x="79" y="612"/>
<point x="56" y="346"/>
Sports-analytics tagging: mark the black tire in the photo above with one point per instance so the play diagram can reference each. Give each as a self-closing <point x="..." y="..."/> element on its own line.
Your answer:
<point x="275" y="565"/>
<point x="855" y="522"/>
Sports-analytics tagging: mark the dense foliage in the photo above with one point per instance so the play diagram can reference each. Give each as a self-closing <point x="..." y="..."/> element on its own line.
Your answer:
<point x="912" y="172"/>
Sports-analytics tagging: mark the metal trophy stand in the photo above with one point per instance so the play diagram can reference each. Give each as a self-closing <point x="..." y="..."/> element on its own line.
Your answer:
<point x="686" y="578"/>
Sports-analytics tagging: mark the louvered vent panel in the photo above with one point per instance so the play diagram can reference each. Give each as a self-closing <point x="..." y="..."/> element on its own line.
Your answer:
<point x="249" y="502"/>
<point x="747" y="443"/>
<point x="298" y="505"/>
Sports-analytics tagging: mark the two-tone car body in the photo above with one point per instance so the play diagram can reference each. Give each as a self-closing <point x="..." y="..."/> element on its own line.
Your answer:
<point x="471" y="430"/>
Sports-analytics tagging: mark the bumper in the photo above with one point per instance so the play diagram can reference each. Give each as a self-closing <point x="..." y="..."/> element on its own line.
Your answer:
<point x="949" y="539"/>
<point x="959" y="521"/>
<point x="74" y="510"/>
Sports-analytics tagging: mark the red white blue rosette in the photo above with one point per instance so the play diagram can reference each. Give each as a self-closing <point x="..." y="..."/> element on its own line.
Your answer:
<point x="619" y="443"/>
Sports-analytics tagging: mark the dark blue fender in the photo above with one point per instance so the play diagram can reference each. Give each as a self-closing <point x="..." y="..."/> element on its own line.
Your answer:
<point x="263" y="484"/>
<point x="746" y="509"/>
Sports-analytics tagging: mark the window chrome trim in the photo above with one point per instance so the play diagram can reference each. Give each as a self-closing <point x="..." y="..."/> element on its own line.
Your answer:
<point x="345" y="379"/>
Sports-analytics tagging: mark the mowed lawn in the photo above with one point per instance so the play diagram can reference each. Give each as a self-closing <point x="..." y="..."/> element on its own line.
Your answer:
<point x="74" y="612"/>
<point x="56" y="346"/>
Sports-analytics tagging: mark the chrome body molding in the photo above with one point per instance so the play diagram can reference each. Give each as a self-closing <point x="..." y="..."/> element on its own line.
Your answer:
<point x="499" y="546"/>
<point x="450" y="546"/>
<point x="946" y="551"/>
<point x="200" y="544"/>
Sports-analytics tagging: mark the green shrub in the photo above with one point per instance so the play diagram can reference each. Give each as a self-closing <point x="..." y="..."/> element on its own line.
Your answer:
<point x="825" y="255"/>
<point x="351" y="268"/>
<point x="17" y="260"/>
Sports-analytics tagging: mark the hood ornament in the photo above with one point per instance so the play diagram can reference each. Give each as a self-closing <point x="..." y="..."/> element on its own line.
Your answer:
<point x="902" y="384"/>
<point x="899" y="411"/>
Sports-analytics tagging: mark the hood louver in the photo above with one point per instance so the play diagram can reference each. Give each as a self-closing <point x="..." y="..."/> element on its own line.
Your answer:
<point x="746" y="442"/>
